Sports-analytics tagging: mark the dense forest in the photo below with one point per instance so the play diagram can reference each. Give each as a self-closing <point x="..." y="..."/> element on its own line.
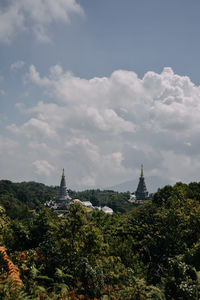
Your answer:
<point x="151" y="251"/>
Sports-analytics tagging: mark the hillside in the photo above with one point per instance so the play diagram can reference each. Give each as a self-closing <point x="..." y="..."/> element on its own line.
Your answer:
<point x="152" y="183"/>
<point x="19" y="198"/>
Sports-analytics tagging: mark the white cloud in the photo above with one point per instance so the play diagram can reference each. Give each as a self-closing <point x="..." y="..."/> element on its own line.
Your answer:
<point x="108" y="120"/>
<point x="181" y="167"/>
<point x="17" y="65"/>
<point x="38" y="146"/>
<point x="34" y="128"/>
<point x="43" y="167"/>
<point x="11" y="21"/>
<point x="35" y="16"/>
<point x="92" y="165"/>
<point x="7" y="145"/>
<point x="102" y="129"/>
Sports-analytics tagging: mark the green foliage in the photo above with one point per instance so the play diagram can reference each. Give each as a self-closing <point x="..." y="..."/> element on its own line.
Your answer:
<point x="8" y="293"/>
<point x="139" y="290"/>
<point x="117" y="201"/>
<point x="180" y="280"/>
<point x="4" y="221"/>
<point x="151" y="252"/>
<point x="162" y="195"/>
<point x="19" y="198"/>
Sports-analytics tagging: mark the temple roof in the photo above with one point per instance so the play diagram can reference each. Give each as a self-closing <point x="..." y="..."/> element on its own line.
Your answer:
<point x="141" y="192"/>
<point x="62" y="194"/>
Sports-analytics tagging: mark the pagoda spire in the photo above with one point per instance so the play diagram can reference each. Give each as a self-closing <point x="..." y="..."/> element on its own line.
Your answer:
<point x="63" y="197"/>
<point x="141" y="192"/>
<point x="142" y="172"/>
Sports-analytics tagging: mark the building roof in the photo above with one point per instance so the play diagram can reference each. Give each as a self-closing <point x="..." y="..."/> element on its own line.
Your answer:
<point x="63" y="196"/>
<point x="141" y="192"/>
<point x="107" y="210"/>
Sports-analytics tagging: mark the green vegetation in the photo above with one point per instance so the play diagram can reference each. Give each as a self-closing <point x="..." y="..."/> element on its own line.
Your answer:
<point x="117" y="201"/>
<point x="150" y="252"/>
<point x="19" y="198"/>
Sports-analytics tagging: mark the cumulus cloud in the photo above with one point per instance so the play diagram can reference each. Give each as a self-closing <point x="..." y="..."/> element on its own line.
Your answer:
<point x="43" y="167"/>
<point x="102" y="129"/>
<point x="17" y="65"/>
<point x="34" y="128"/>
<point x="34" y="16"/>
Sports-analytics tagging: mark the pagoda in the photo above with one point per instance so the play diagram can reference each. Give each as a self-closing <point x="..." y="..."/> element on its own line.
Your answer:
<point x="63" y="197"/>
<point x="141" y="192"/>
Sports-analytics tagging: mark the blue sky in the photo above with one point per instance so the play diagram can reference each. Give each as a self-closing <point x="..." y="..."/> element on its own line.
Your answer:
<point x="82" y="86"/>
<point x="141" y="35"/>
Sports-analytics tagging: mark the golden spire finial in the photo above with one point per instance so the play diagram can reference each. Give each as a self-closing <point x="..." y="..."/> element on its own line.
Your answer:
<point x="63" y="173"/>
<point x="142" y="174"/>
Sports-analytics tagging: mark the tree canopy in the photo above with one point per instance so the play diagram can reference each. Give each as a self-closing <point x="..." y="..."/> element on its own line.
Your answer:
<point x="147" y="252"/>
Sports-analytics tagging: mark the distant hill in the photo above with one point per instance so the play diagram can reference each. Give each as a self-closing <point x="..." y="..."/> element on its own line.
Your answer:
<point x="20" y="198"/>
<point x="152" y="183"/>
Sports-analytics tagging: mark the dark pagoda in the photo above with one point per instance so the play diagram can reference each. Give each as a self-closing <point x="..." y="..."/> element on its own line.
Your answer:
<point x="141" y="192"/>
<point x="63" y="197"/>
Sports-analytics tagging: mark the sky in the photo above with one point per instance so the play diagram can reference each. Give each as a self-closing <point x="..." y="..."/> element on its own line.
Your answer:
<point x="99" y="87"/>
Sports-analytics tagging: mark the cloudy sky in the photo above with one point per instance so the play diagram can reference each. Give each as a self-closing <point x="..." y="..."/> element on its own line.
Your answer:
<point x="99" y="87"/>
